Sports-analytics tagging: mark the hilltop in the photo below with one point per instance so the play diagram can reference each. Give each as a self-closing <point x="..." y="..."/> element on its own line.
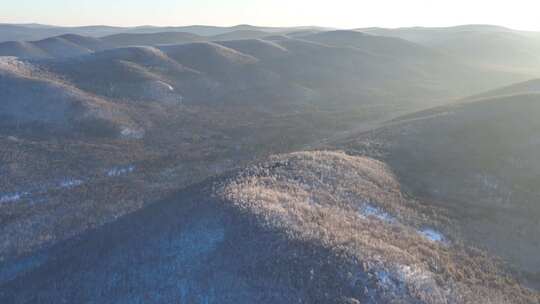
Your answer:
<point x="313" y="226"/>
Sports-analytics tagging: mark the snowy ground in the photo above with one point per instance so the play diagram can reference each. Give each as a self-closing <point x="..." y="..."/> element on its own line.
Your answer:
<point x="67" y="183"/>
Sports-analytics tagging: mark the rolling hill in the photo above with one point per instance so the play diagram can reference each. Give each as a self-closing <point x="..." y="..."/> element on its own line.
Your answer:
<point x="300" y="70"/>
<point x="530" y="86"/>
<point x="130" y="74"/>
<point x="241" y="34"/>
<point x="26" y="32"/>
<point x="304" y="89"/>
<point x="31" y="97"/>
<point x="148" y="39"/>
<point x="377" y="45"/>
<point x="476" y="160"/>
<point x="304" y="227"/>
<point x="156" y="164"/>
<point x="72" y="45"/>
<point x="492" y="46"/>
<point x="55" y="47"/>
<point x="22" y="32"/>
<point x="260" y="48"/>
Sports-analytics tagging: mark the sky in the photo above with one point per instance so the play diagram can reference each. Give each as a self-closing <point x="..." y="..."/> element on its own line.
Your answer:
<point x="518" y="14"/>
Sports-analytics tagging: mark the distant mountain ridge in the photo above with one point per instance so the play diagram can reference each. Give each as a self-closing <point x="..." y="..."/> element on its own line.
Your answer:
<point x="22" y="32"/>
<point x="348" y="68"/>
<point x="71" y="45"/>
<point x="68" y="45"/>
<point x="495" y="46"/>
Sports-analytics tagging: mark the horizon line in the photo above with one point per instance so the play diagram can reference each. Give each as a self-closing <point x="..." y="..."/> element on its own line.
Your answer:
<point x="259" y="26"/>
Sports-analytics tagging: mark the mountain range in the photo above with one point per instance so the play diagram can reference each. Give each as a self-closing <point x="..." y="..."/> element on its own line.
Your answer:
<point x="20" y="32"/>
<point x="273" y="165"/>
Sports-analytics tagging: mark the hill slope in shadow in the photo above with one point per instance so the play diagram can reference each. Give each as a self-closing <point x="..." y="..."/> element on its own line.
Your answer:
<point x="319" y="227"/>
<point x="477" y="160"/>
<point x="33" y="97"/>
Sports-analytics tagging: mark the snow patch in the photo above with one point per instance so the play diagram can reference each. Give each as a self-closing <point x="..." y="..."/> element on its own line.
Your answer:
<point x="414" y="274"/>
<point x="422" y="281"/>
<point x="368" y="210"/>
<point x="132" y="133"/>
<point x="388" y="281"/>
<point x="162" y="91"/>
<point x="489" y="182"/>
<point x="169" y="87"/>
<point x="398" y="280"/>
<point x="432" y="235"/>
<point x="70" y="183"/>
<point x="12" y="197"/>
<point x="119" y="171"/>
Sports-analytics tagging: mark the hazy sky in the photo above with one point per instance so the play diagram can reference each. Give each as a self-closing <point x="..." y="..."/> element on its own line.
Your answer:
<point x="519" y="14"/>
